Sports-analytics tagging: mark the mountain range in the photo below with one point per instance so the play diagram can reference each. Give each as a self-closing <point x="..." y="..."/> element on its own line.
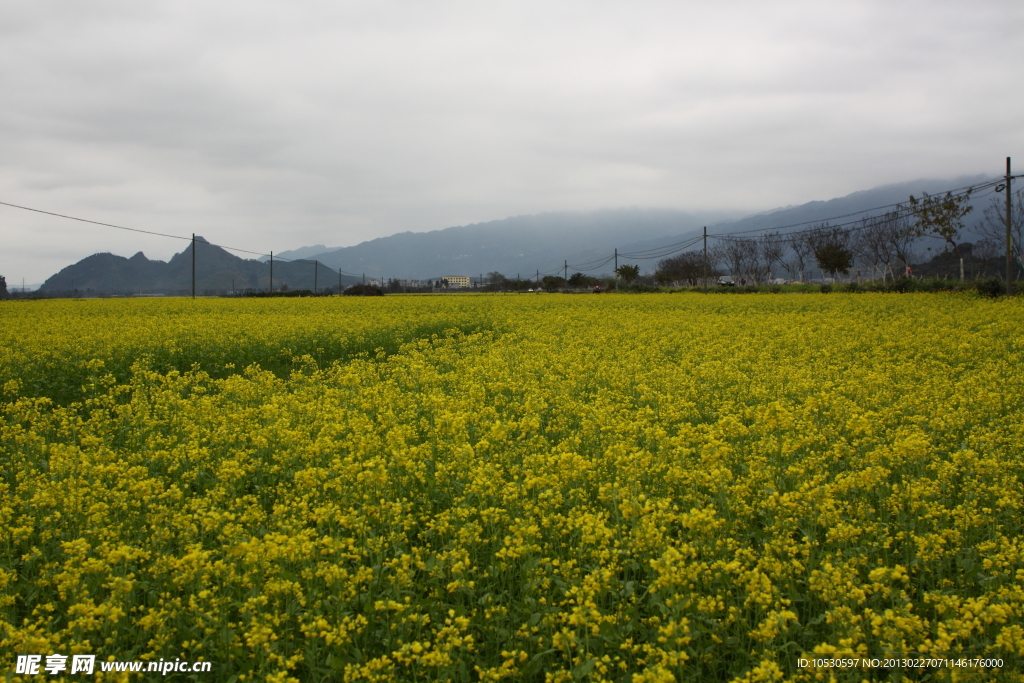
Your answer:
<point x="217" y="271"/>
<point x="524" y="245"/>
<point x="517" y="246"/>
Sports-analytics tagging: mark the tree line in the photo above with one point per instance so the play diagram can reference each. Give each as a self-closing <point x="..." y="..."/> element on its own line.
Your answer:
<point x="887" y="245"/>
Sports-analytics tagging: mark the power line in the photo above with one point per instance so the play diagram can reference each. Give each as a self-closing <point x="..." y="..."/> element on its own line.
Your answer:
<point x="163" y="234"/>
<point x="667" y="250"/>
<point x="599" y="264"/>
<point x="790" y="237"/>
<point x="642" y="255"/>
<point x="956" y="193"/>
<point x="643" y="252"/>
<point x="85" y="220"/>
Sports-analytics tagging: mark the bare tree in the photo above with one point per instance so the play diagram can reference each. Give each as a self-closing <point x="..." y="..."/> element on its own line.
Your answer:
<point x="988" y="251"/>
<point x="773" y="248"/>
<point x="993" y="227"/>
<point x="687" y="267"/>
<point x="741" y="256"/>
<point x="872" y="244"/>
<point x="716" y="257"/>
<point x="760" y="268"/>
<point x="898" y="233"/>
<point x="799" y="251"/>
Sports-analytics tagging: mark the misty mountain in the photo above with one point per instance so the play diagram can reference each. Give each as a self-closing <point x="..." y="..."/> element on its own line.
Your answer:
<point x="522" y="244"/>
<point x="885" y="195"/>
<point x="525" y="244"/>
<point x="300" y="253"/>
<point x="217" y="271"/>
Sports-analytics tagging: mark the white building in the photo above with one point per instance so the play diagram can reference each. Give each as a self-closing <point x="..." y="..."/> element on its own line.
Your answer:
<point x="457" y="280"/>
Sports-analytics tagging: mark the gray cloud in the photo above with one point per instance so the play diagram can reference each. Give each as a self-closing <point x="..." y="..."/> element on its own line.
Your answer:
<point x="270" y="125"/>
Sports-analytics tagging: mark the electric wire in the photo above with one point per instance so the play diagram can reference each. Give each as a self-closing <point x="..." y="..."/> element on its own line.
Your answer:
<point x="850" y="226"/>
<point x="957" y="192"/>
<point x="978" y="189"/>
<point x="176" y="237"/>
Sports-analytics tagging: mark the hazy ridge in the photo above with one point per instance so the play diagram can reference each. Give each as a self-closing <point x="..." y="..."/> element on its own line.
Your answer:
<point x="516" y="246"/>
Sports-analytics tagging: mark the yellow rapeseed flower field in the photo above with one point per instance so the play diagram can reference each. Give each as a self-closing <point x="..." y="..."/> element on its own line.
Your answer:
<point x="523" y="488"/>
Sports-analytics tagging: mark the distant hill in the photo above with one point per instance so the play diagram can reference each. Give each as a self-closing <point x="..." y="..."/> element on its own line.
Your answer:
<point x="300" y="253"/>
<point x="524" y="244"/>
<point x="521" y="245"/>
<point x="217" y="271"/>
<point x="852" y="203"/>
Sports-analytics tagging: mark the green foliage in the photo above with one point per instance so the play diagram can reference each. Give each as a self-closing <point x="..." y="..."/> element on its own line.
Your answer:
<point x="579" y="280"/>
<point x="941" y="217"/>
<point x="628" y="273"/>
<point x="553" y="282"/>
<point x="834" y="258"/>
<point x="991" y="288"/>
<point x="363" y="290"/>
<point x="638" y="288"/>
<point x="831" y="248"/>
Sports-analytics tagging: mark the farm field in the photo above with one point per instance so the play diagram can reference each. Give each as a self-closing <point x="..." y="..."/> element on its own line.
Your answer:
<point x="643" y="488"/>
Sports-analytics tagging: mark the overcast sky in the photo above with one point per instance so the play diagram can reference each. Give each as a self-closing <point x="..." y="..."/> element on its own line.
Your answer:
<point x="272" y="125"/>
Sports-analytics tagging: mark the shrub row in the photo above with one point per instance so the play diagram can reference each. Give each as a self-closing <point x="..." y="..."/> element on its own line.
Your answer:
<point x="992" y="288"/>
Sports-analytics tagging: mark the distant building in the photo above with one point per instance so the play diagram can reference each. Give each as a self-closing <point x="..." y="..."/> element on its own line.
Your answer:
<point x="457" y="280"/>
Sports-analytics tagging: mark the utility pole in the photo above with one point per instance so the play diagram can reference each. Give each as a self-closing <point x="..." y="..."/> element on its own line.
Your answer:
<point x="271" y="272"/>
<point x="538" y="277"/>
<point x="193" y="265"/>
<point x="232" y="286"/>
<point x="364" y="277"/>
<point x="566" y="272"/>
<point x="616" y="260"/>
<point x="316" y="267"/>
<point x="705" y="259"/>
<point x="339" y="280"/>
<point x="1009" y="235"/>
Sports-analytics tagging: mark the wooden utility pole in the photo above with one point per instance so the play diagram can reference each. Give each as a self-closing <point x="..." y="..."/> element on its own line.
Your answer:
<point x="1009" y="234"/>
<point x="316" y="266"/>
<point x="566" y="272"/>
<point x="616" y="260"/>
<point x="705" y="259"/>
<point x="339" y="280"/>
<point x="271" y="272"/>
<point x="193" y="265"/>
